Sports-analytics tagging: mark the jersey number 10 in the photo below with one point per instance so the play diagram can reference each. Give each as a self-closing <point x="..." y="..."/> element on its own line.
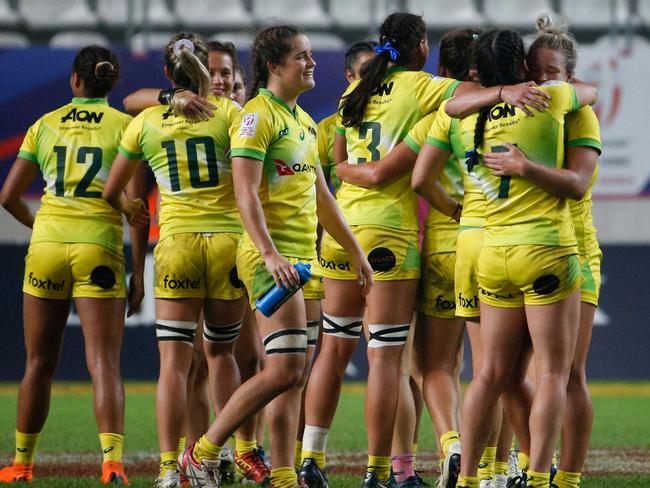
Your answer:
<point x="193" y="162"/>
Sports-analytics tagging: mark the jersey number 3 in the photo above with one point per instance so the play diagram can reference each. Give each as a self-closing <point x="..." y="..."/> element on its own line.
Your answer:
<point x="81" y="189"/>
<point x="193" y="162"/>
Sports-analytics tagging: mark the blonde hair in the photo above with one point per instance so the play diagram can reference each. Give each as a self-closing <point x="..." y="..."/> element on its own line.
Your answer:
<point x="186" y="56"/>
<point x="557" y="39"/>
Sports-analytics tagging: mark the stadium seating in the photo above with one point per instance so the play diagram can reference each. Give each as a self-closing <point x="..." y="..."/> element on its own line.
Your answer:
<point x="150" y="41"/>
<point x="77" y="39"/>
<point x="114" y="13"/>
<point x="447" y="13"/>
<point x="306" y="13"/>
<point x="241" y="40"/>
<point x="595" y="13"/>
<point x="324" y="41"/>
<point x="519" y="14"/>
<point x="358" y="14"/>
<point x="13" y="40"/>
<point x="62" y="14"/>
<point x="7" y="15"/>
<point x="212" y="14"/>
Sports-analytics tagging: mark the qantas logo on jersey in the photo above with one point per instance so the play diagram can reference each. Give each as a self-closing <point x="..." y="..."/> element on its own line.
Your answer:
<point x="284" y="169"/>
<point x="500" y="112"/>
<point x="383" y="89"/>
<point x="82" y="116"/>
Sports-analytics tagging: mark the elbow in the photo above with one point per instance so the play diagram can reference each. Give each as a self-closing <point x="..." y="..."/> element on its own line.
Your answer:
<point x="576" y="193"/>
<point x="417" y="185"/>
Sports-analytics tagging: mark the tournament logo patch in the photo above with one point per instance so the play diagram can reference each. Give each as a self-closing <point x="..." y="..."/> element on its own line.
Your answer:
<point x="382" y="259"/>
<point x="547" y="284"/>
<point x="248" y="127"/>
<point x="103" y="277"/>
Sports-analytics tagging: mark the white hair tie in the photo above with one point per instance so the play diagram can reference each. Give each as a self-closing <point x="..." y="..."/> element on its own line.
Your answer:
<point x="183" y="43"/>
<point x="102" y="63"/>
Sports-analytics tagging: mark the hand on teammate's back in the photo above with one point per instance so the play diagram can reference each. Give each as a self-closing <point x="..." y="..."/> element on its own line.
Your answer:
<point x="192" y="106"/>
<point x="525" y="95"/>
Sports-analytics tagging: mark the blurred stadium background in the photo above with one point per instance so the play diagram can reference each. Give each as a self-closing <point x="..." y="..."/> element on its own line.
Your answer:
<point x="39" y="38"/>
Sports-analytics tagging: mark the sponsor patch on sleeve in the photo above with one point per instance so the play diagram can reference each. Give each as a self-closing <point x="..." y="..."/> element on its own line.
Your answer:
<point x="248" y="126"/>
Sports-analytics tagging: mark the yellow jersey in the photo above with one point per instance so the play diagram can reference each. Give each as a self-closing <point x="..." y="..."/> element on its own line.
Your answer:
<point x="517" y="211"/>
<point x="75" y="147"/>
<point x="402" y="98"/>
<point x="191" y="166"/>
<point x="325" y="131"/>
<point x="284" y="142"/>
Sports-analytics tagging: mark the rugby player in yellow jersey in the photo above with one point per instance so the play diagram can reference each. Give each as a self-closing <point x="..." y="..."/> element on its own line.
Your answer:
<point x="355" y="57"/>
<point x="528" y="267"/>
<point x="280" y="192"/>
<point x="75" y="253"/>
<point x="552" y="56"/>
<point x="199" y="232"/>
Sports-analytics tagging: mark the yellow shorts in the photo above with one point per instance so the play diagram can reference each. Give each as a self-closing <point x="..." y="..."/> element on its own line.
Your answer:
<point x="591" y="273"/>
<point x="257" y="280"/>
<point x="197" y="265"/>
<point x="63" y="270"/>
<point x="393" y="254"/>
<point x="511" y="276"/>
<point x="436" y="289"/>
<point x="468" y="248"/>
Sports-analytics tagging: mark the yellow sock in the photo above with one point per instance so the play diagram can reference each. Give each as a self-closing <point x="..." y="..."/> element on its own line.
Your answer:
<point x="181" y="444"/>
<point x="414" y="450"/>
<point x="523" y="461"/>
<point x="467" y="482"/>
<point x="536" y="479"/>
<point x="244" y="447"/>
<point x="486" y="464"/>
<point x="379" y="465"/>
<point x="566" y="479"/>
<point x="204" y="449"/>
<point x="297" y="455"/>
<point x="447" y="440"/>
<point x="167" y="462"/>
<point x="26" y="447"/>
<point x="500" y="467"/>
<point x="111" y="446"/>
<point x="284" y="477"/>
<point x="319" y="457"/>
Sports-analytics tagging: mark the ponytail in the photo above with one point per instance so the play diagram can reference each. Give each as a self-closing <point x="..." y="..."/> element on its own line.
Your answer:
<point x="186" y="56"/>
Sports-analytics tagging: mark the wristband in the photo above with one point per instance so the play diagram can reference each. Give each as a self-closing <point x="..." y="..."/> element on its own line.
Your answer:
<point x="165" y="96"/>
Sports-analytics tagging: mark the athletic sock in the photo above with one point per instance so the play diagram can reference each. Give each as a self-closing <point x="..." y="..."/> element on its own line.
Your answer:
<point x="523" y="461"/>
<point x="447" y="440"/>
<point x="566" y="479"/>
<point x="486" y="464"/>
<point x="379" y="465"/>
<point x="500" y="467"/>
<point x="26" y="447"/>
<point x="181" y="444"/>
<point x="284" y="477"/>
<point x="314" y="444"/>
<point x="403" y="467"/>
<point x="167" y="462"/>
<point x="467" y="482"/>
<point x="297" y="455"/>
<point x="244" y="446"/>
<point x="536" y="480"/>
<point x="204" y="449"/>
<point x="111" y="446"/>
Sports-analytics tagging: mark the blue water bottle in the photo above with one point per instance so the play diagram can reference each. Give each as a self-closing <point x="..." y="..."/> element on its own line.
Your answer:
<point x="277" y="295"/>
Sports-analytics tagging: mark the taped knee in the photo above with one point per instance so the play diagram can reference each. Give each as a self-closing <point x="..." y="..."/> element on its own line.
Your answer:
<point x="384" y="335"/>
<point x="221" y="334"/>
<point x="343" y="327"/>
<point x="312" y="332"/>
<point x="176" y="330"/>
<point x="286" y="341"/>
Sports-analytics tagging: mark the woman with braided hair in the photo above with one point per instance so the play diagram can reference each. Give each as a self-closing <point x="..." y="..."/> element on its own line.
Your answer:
<point x="528" y="270"/>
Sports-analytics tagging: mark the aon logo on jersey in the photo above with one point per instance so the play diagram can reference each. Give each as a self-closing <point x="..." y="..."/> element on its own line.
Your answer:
<point x="82" y="116"/>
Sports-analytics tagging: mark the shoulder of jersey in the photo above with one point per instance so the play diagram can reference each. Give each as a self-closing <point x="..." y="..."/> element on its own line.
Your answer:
<point x="327" y="121"/>
<point x="224" y="102"/>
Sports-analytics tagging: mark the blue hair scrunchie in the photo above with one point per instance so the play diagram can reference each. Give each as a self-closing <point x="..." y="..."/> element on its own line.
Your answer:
<point x="394" y="53"/>
<point x="472" y="159"/>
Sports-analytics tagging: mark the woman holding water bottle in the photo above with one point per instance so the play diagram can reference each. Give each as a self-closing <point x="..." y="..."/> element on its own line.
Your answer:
<point x="281" y="194"/>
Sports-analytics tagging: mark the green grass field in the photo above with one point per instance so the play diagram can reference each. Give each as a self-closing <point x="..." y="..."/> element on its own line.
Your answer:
<point x="620" y="443"/>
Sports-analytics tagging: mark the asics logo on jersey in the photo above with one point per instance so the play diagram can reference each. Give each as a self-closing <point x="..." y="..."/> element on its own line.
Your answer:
<point x="442" y="304"/>
<point x="46" y="284"/>
<point x="108" y="449"/>
<point x="500" y="112"/>
<point x="21" y="449"/>
<point x="283" y="132"/>
<point x="383" y="89"/>
<point x="82" y="116"/>
<point x="284" y="169"/>
<point x="468" y="302"/>
<point x="333" y="264"/>
<point x="184" y="284"/>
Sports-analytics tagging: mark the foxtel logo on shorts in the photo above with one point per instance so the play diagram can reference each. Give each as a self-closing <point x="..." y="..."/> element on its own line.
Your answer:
<point x="284" y="169"/>
<point x="184" y="284"/>
<point x="46" y="284"/>
<point x="325" y="264"/>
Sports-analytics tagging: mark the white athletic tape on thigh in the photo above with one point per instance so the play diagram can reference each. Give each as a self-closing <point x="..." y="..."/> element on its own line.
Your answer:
<point x="175" y="330"/>
<point x="344" y="327"/>
<point x="221" y="334"/>
<point x="312" y="332"/>
<point x="286" y="341"/>
<point x="384" y="335"/>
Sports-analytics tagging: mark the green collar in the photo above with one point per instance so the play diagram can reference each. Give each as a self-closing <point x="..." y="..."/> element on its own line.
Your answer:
<point x="89" y="101"/>
<point x="395" y="69"/>
<point x="267" y="93"/>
